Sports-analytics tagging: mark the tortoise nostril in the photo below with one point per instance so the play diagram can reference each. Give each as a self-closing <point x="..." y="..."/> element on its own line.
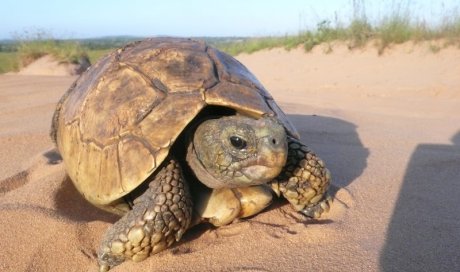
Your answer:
<point x="274" y="141"/>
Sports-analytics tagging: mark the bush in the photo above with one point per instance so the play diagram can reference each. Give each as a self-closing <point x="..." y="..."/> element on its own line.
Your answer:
<point x="32" y="45"/>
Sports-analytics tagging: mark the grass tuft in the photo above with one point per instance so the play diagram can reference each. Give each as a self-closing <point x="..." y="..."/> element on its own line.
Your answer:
<point x="8" y="62"/>
<point x="434" y="48"/>
<point x="34" y="45"/>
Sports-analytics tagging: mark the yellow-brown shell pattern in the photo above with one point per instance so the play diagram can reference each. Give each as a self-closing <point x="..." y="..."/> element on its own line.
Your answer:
<point x="117" y="122"/>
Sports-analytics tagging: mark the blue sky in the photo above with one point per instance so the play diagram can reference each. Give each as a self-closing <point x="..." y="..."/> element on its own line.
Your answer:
<point x="86" y="18"/>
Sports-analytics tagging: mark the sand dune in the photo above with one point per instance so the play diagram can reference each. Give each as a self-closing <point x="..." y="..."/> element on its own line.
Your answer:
<point x="388" y="128"/>
<point x="49" y="66"/>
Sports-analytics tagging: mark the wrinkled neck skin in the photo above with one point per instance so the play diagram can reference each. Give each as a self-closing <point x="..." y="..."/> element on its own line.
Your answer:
<point x="237" y="151"/>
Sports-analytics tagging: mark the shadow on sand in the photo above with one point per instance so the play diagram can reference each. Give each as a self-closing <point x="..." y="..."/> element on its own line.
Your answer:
<point x="70" y="204"/>
<point x="337" y="143"/>
<point x="424" y="232"/>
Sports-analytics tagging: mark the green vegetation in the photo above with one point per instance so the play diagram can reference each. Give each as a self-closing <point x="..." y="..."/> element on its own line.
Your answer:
<point x="393" y="30"/>
<point x="8" y="62"/>
<point x="94" y="55"/>
<point x="33" y="45"/>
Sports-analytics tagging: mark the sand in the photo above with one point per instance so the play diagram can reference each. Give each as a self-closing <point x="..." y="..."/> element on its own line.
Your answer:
<point x="388" y="128"/>
<point x="49" y="66"/>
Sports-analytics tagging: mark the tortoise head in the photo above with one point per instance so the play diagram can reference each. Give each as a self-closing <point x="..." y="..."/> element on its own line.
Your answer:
<point x="237" y="151"/>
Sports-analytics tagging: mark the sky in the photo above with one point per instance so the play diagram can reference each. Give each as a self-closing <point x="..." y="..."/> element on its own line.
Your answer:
<point x="93" y="18"/>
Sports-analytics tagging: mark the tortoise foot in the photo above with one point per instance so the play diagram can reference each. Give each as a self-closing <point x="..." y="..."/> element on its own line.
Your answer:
<point x="316" y="210"/>
<point x="304" y="181"/>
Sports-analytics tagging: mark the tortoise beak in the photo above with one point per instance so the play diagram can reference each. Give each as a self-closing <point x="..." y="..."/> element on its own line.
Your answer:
<point x="272" y="151"/>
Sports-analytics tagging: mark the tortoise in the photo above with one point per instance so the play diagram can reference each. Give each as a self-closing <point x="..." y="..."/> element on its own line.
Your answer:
<point x="171" y="132"/>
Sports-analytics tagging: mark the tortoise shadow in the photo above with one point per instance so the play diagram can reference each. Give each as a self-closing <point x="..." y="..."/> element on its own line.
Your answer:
<point x="70" y="204"/>
<point x="183" y="246"/>
<point x="337" y="143"/>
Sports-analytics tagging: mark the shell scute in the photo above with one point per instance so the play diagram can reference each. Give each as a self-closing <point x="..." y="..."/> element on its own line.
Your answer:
<point x="119" y="101"/>
<point x="230" y="69"/>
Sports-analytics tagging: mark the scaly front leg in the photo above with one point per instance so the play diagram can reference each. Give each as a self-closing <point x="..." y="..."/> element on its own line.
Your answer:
<point x="304" y="181"/>
<point x="159" y="217"/>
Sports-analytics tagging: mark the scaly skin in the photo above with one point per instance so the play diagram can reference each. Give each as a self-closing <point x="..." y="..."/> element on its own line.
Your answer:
<point x="304" y="181"/>
<point x="159" y="217"/>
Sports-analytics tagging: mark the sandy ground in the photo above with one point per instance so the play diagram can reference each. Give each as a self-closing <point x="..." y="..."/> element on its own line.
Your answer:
<point x="388" y="128"/>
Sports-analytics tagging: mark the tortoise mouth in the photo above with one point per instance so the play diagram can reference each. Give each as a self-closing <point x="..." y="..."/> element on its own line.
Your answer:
<point x="259" y="174"/>
<point x="267" y="166"/>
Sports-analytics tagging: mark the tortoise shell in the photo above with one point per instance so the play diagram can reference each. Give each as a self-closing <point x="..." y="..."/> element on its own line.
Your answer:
<point x="117" y="122"/>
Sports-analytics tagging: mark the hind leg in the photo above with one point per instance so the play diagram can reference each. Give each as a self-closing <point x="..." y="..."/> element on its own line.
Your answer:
<point x="159" y="217"/>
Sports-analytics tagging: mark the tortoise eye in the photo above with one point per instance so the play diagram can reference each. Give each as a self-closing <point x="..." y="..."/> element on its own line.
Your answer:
<point x="237" y="142"/>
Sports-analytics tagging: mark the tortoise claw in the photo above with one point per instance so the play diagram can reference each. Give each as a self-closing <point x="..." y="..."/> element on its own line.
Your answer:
<point x="104" y="268"/>
<point x="315" y="211"/>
